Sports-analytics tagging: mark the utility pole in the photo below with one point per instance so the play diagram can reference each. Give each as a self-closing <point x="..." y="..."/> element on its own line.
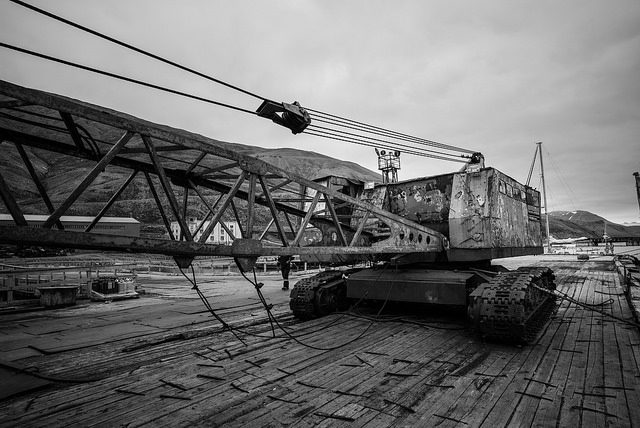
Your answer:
<point x="637" y="176"/>
<point x="544" y="192"/>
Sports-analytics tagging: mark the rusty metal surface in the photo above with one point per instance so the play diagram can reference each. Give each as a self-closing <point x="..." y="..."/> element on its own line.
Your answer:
<point x="425" y="201"/>
<point x="491" y="210"/>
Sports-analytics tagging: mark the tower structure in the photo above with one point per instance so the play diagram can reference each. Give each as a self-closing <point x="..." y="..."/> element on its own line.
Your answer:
<point x="389" y="164"/>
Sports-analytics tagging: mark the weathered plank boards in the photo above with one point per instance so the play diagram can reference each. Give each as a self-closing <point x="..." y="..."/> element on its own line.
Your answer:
<point x="582" y="371"/>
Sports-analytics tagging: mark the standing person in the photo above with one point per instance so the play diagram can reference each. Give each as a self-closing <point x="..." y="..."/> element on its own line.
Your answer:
<point x="284" y="263"/>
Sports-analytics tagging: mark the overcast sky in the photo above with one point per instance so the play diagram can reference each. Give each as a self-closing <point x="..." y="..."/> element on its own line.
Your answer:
<point x="492" y="76"/>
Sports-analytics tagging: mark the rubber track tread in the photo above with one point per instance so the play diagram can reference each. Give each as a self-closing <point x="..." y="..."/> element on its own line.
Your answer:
<point x="511" y="309"/>
<point x="303" y="294"/>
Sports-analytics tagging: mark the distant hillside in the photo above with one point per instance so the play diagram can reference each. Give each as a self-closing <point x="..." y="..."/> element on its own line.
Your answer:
<point x="576" y="224"/>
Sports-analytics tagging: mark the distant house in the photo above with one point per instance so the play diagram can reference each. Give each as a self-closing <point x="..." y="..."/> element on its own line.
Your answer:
<point x="122" y="226"/>
<point x="218" y="236"/>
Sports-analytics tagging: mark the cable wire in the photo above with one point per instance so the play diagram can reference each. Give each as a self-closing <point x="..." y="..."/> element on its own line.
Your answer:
<point x="121" y="77"/>
<point x="334" y="120"/>
<point x="207" y="305"/>
<point x="318" y="128"/>
<point x="338" y="135"/>
<point x="341" y="121"/>
<point x="294" y="338"/>
<point x="372" y="144"/>
<point x="133" y="48"/>
<point x="591" y="307"/>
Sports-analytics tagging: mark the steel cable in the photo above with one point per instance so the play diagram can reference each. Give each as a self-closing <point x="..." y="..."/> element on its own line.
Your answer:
<point x="316" y="114"/>
<point x="121" y="77"/>
<point x="389" y="132"/>
<point x="318" y="128"/>
<point x="334" y="136"/>
<point x="133" y="48"/>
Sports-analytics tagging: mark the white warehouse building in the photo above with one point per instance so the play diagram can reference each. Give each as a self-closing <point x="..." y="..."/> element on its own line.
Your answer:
<point x="218" y="236"/>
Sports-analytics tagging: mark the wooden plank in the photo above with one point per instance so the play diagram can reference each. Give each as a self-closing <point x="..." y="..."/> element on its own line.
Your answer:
<point x="612" y="365"/>
<point x="576" y="372"/>
<point x="352" y="384"/>
<point x="335" y="378"/>
<point x="437" y="381"/>
<point x="547" y="412"/>
<point x="627" y="360"/>
<point x="594" y="374"/>
<point x="223" y="396"/>
<point x="508" y="402"/>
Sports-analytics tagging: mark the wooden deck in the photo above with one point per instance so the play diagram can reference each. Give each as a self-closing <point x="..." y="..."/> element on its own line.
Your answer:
<point x="583" y="371"/>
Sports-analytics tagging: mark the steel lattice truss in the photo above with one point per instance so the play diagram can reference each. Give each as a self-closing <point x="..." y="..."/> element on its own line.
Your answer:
<point x="176" y="164"/>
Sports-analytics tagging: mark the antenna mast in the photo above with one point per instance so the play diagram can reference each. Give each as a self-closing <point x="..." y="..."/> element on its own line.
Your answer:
<point x="544" y="192"/>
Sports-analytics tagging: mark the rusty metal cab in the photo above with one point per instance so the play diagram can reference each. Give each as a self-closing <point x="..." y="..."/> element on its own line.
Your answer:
<point x="484" y="214"/>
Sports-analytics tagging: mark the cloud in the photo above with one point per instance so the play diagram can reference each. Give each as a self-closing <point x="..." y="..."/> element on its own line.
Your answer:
<point x="493" y="76"/>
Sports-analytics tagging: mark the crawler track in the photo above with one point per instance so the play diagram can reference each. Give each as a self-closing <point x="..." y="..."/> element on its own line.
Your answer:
<point x="317" y="295"/>
<point x="513" y="306"/>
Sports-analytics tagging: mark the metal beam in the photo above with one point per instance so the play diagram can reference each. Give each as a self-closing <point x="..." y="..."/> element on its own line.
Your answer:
<point x="251" y="205"/>
<point x="156" y="197"/>
<point x="136" y="150"/>
<point x="356" y="235"/>
<point x="195" y="163"/>
<point x="334" y="216"/>
<point x="105" y="242"/>
<point x="307" y="217"/>
<point x="88" y="179"/>
<point x="226" y="201"/>
<point x="280" y="185"/>
<point x="286" y="217"/>
<point x="266" y="229"/>
<point x="194" y="141"/>
<point x="73" y="131"/>
<point x="185" y="205"/>
<point x="113" y="198"/>
<point x="274" y="213"/>
<point x="166" y="186"/>
<point x="13" y="103"/>
<point x="211" y="209"/>
<point x="11" y="204"/>
<point x="37" y="182"/>
<point x="218" y="168"/>
<point x="174" y="175"/>
<point x="236" y="214"/>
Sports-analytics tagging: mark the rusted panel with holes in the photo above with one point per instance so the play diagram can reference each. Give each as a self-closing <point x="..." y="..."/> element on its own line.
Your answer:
<point x="425" y="201"/>
<point x="484" y="214"/>
<point x="491" y="210"/>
